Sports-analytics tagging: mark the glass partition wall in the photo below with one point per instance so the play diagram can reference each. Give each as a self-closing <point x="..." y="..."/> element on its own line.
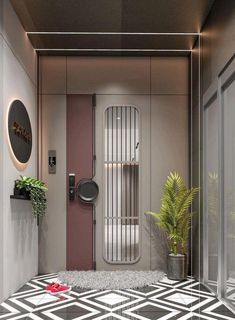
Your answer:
<point x="228" y="106"/>
<point x="219" y="186"/>
<point x="211" y="193"/>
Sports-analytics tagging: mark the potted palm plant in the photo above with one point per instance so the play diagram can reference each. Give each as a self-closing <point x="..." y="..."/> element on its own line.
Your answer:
<point x="35" y="190"/>
<point x="174" y="218"/>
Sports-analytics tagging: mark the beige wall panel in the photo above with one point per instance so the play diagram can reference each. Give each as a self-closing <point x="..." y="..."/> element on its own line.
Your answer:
<point x="169" y="75"/>
<point x="53" y="75"/>
<point x="20" y="233"/>
<point x="116" y="81"/>
<point x="108" y="75"/>
<point x="142" y="103"/>
<point x="52" y="235"/>
<point x="169" y="151"/>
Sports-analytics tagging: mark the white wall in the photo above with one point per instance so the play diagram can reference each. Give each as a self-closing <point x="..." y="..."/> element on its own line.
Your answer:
<point x="18" y="229"/>
<point x="52" y="235"/>
<point x="1" y="152"/>
<point x="160" y="86"/>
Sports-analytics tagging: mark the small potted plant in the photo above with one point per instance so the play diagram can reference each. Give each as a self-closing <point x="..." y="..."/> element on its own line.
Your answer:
<point x="35" y="190"/>
<point x="174" y="218"/>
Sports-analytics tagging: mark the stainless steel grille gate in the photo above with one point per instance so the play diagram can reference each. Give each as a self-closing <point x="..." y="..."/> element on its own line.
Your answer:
<point x="121" y="220"/>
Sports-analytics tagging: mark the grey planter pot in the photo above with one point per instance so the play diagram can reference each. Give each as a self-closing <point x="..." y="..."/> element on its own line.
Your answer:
<point x="177" y="267"/>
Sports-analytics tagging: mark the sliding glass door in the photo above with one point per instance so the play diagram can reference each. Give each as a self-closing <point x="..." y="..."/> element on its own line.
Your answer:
<point x="219" y="186"/>
<point x="228" y="107"/>
<point x="211" y="191"/>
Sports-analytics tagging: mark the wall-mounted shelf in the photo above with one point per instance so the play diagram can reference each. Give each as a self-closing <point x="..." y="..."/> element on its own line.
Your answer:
<point x="19" y="197"/>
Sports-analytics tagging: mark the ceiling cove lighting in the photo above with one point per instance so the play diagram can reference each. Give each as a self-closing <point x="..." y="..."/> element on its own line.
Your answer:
<point x="118" y="50"/>
<point x="116" y="33"/>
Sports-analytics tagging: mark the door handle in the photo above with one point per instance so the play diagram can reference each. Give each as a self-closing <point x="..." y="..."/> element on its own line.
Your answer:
<point x="72" y="189"/>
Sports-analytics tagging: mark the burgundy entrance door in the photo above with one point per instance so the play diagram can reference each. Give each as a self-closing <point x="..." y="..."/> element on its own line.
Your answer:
<point x="79" y="162"/>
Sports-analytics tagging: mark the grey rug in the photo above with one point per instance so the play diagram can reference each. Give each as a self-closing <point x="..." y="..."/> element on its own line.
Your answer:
<point x="102" y="280"/>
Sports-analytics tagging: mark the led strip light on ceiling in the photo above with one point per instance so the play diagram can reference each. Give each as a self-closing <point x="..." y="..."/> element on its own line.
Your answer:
<point x="118" y="50"/>
<point x="115" y="33"/>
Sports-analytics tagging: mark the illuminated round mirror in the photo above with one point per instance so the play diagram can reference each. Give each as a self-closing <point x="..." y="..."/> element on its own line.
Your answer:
<point x="19" y="131"/>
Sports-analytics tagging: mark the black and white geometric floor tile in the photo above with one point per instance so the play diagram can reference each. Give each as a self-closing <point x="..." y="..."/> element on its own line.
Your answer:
<point x="164" y="300"/>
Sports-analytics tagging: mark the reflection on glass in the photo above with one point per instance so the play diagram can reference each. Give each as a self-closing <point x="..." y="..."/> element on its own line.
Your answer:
<point x="213" y="223"/>
<point x="229" y="190"/>
<point x="211" y="219"/>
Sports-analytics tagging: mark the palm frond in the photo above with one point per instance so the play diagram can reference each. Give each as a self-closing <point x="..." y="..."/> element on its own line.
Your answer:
<point x="174" y="216"/>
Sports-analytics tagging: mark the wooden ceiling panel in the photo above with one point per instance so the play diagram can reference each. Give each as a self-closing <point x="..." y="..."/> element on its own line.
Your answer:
<point x="112" y="16"/>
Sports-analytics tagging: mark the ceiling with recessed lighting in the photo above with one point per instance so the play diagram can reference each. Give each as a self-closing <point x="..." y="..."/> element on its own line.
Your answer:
<point x="112" y="27"/>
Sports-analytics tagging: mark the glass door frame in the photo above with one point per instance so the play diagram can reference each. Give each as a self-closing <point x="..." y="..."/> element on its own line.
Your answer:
<point x="209" y="98"/>
<point x="225" y="78"/>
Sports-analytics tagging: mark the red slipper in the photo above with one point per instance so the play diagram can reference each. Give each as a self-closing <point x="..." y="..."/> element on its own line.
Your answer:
<point x="50" y="286"/>
<point x="57" y="288"/>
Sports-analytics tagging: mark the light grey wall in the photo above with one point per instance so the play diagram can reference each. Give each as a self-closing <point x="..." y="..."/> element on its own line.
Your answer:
<point x="169" y="152"/>
<point x="169" y="136"/>
<point x="52" y="231"/>
<point x="161" y="84"/>
<point x="18" y="230"/>
<point x="52" y="235"/>
<point x="1" y="151"/>
<point x="108" y="75"/>
<point x="218" y="40"/>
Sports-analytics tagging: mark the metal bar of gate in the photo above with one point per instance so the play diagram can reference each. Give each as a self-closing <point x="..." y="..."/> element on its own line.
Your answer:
<point x="108" y="204"/>
<point x="130" y="175"/>
<point x="112" y="184"/>
<point x="121" y="185"/>
<point x="134" y="183"/>
<point x="122" y="170"/>
<point x="125" y="183"/>
<point x="116" y="255"/>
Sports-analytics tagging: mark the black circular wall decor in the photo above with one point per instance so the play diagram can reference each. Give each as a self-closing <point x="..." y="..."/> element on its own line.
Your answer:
<point x="20" y="132"/>
<point x="88" y="190"/>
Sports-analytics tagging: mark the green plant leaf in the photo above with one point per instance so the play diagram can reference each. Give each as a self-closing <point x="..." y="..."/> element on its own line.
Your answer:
<point x="37" y="190"/>
<point x="174" y="216"/>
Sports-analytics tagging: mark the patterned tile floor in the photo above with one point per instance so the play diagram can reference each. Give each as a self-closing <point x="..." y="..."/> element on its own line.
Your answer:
<point x="164" y="300"/>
